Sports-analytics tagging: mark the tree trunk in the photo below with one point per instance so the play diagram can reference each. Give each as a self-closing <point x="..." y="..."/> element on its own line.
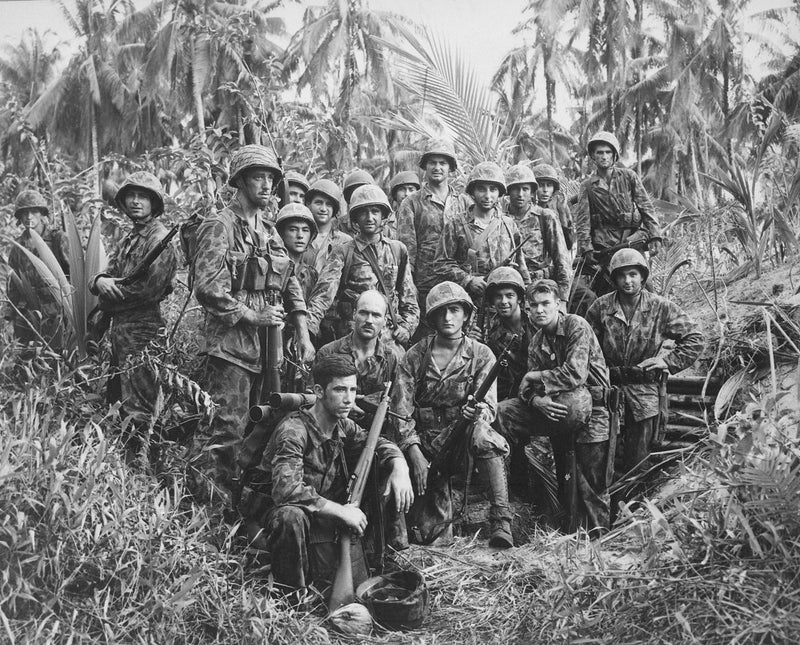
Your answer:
<point x="94" y="151"/>
<point x="550" y="91"/>
<point x="200" y="111"/>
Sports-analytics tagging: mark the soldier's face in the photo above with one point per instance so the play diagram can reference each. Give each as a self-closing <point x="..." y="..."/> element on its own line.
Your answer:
<point x="297" y="194"/>
<point x="520" y="195"/>
<point x="256" y="185"/>
<point x="505" y="302"/>
<point x="544" y="309"/>
<point x="486" y="195"/>
<point x="369" y="319"/>
<point x="628" y="280"/>
<point x="450" y="320"/>
<point x="369" y="219"/>
<point x="338" y="396"/>
<point x="603" y="155"/>
<point x="296" y="236"/>
<point x="32" y="220"/>
<point x="403" y="191"/>
<point x="545" y="192"/>
<point x="436" y="169"/>
<point x="322" y="209"/>
<point x="138" y="205"/>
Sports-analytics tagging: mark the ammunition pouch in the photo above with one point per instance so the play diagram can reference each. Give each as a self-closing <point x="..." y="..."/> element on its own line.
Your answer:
<point x="633" y="375"/>
<point x="436" y="418"/>
<point x="599" y="394"/>
<point x="258" y="272"/>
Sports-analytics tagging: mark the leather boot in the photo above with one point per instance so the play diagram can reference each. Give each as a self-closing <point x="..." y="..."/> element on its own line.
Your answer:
<point x="493" y="472"/>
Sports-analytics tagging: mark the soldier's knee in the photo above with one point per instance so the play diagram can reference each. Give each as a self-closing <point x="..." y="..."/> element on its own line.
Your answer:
<point x="513" y="416"/>
<point x="486" y="442"/>
<point x="290" y="519"/>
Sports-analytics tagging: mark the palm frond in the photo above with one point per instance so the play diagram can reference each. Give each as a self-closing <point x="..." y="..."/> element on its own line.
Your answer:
<point x="77" y="273"/>
<point x="95" y="258"/>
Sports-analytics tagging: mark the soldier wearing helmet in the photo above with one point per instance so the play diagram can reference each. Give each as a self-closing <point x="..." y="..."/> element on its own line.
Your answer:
<point x="545" y="248"/>
<point x="244" y="281"/>
<point x="549" y="195"/>
<point x="644" y="337"/>
<point x="480" y="238"/>
<point x="297" y="229"/>
<point x="435" y="381"/>
<point x="36" y="316"/>
<point x="135" y="308"/>
<point x="421" y="216"/>
<point x="370" y="261"/>
<point x="563" y="396"/>
<point x="298" y="187"/>
<point x="614" y="211"/>
<point x="324" y="201"/>
<point x="403" y="184"/>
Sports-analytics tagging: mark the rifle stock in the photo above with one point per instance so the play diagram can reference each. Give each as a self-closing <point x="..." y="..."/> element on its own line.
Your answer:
<point x="343" y="591"/>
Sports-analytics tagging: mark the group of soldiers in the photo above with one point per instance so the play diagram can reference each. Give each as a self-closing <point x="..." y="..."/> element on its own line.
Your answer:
<point x="341" y="291"/>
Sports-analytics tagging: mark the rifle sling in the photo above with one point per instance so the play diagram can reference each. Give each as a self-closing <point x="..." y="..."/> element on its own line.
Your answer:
<point x="371" y="255"/>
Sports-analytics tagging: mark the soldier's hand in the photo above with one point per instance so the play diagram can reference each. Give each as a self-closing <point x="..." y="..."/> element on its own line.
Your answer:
<point x="305" y="350"/>
<point x="401" y="335"/>
<point x="526" y="385"/>
<point x="476" y="286"/>
<point x="654" y="246"/>
<point x="399" y="485"/>
<point x="353" y="518"/>
<point x="419" y="466"/>
<point x="471" y="410"/>
<point x="654" y="364"/>
<point x="270" y="316"/>
<point x="108" y="289"/>
<point x="549" y="408"/>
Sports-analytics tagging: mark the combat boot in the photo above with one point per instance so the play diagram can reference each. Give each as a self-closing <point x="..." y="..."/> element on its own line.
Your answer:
<point x="493" y="472"/>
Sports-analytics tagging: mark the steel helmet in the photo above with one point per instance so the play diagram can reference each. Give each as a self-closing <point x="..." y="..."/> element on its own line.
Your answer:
<point x="521" y="174"/>
<point x="446" y="293"/>
<point x="295" y="211"/>
<point x="294" y="177"/>
<point x="504" y="277"/>
<point x="488" y="172"/>
<point x="253" y="156"/>
<point x="397" y="600"/>
<point x="404" y="178"/>
<point x="629" y="258"/>
<point x="145" y="181"/>
<point x="604" y="137"/>
<point x="579" y="408"/>
<point x="546" y="171"/>
<point x="369" y="195"/>
<point x="29" y="199"/>
<point x="441" y="148"/>
<point x="326" y="188"/>
<point x="353" y="180"/>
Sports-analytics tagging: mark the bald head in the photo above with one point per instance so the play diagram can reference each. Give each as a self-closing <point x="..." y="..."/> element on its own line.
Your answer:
<point x="369" y="315"/>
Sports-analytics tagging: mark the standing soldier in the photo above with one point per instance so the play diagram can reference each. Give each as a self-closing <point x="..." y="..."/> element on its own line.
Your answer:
<point x="546" y="252"/>
<point x="563" y="396"/>
<point x="549" y="195"/>
<point x="36" y="312"/>
<point x="421" y="218"/>
<point x="403" y="184"/>
<point x="135" y="308"/>
<point x="243" y="279"/>
<point x="324" y="200"/>
<point x="614" y="211"/>
<point x="435" y="382"/>
<point x="353" y="180"/>
<point x="298" y="187"/>
<point x="370" y="261"/>
<point x="644" y="337"/>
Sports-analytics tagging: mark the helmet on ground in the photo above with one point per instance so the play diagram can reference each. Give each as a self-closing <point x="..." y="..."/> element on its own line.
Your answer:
<point x="144" y="181"/>
<point x="253" y="156"/>
<point x="353" y="180"/>
<point x="547" y="172"/>
<point x="294" y="177"/>
<point x="504" y="277"/>
<point x="397" y="600"/>
<point x="441" y="148"/>
<point x="30" y="199"/>
<point x="446" y="293"/>
<point x="579" y="408"/>
<point x="604" y="137"/>
<point x="488" y="172"/>
<point x="629" y="258"/>
<point x="404" y="178"/>
<point x="326" y="188"/>
<point x="521" y="174"/>
<point x="292" y="212"/>
<point x="369" y="195"/>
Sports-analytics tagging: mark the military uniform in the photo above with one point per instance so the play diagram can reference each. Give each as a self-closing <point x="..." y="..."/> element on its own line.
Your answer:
<point x="498" y="337"/>
<point x="301" y="469"/>
<point x="626" y="343"/>
<point x="558" y="203"/>
<point x="571" y="363"/>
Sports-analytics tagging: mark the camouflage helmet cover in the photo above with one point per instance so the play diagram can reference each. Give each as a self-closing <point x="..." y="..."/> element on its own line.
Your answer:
<point x="446" y="293"/>
<point x="604" y="137"/>
<point x="294" y="177"/>
<point x="521" y="174"/>
<point x="295" y="211"/>
<point x="354" y="179"/>
<point x="504" y="277"/>
<point x="403" y="178"/>
<point x="28" y="200"/>
<point x="441" y="148"/>
<point x="369" y="195"/>
<point x="629" y="258"/>
<point x="405" y="610"/>
<point x="488" y="172"/>
<point x="326" y="188"/>
<point x="547" y="172"/>
<point x="145" y="181"/>
<point x="253" y="156"/>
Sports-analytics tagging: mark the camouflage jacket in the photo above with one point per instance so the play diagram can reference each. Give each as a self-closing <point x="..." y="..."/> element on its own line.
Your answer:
<point x="546" y="252"/>
<point x="498" y="337"/>
<point x="420" y="222"/>
<point x="461" y="234"/>
<point x="18" y="261"/>
<point x="224" y="242"/>
<point x="596" y="230"/>
<point x="333" y="286"/>
<point x="149" y="291"/>
<point x="375" y="370"/>
<point x="569" y="359"/>
<point x="320" y="248"/>
<point x="558" y="204"/>
<point x="627" y="343"/>
<point x="434" y="397"/>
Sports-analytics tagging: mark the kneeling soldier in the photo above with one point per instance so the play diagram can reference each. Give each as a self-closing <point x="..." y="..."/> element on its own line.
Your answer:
<point x="435" y="383"/>
<point x="297" y="491"/>
<point x="563" y="397"/>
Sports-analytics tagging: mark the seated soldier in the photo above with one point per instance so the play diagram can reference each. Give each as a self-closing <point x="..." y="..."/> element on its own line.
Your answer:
<point x="298" y="492"/>
<point x="435" y="382"/>
<point x="563" y="397"/>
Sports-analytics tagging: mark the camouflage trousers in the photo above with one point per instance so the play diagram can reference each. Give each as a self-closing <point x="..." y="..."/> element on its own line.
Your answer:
<point x="637" y="438"/>
<point x="518" y="422"/>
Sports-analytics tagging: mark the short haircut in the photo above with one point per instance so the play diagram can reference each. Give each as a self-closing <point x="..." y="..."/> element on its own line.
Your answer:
<point x="326" y="368"/>
<point x="372" y="292"/>
<point x="544" y="286"/>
